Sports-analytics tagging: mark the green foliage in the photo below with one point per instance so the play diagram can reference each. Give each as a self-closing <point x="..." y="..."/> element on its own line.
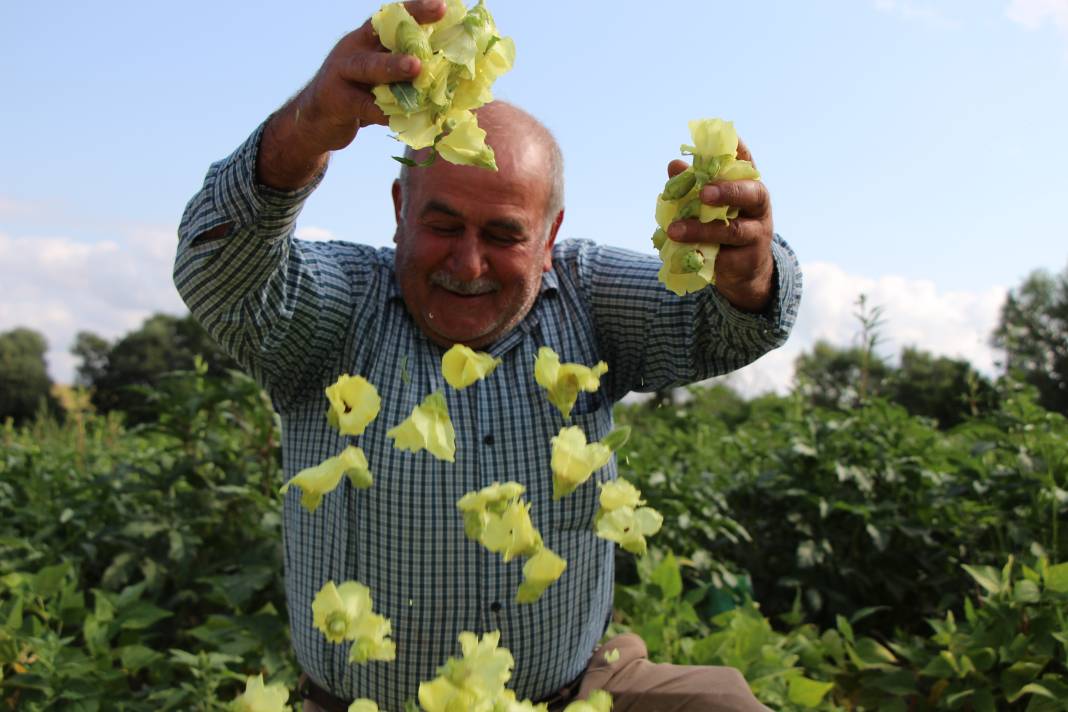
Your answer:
<point x="25" y="387"/>
<point x="1033" y="331"/>
<point x="141" y="569"/>
<point x="118" y="373"/>
<point x="1009" y="651"/>
<point x="851" y="510"/>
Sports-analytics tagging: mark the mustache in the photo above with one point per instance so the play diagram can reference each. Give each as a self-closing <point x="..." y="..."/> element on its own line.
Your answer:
<point x="476" y="286"/>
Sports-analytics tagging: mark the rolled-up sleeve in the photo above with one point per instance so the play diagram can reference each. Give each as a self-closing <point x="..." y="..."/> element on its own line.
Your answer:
<point x="653" y="339"/>
<point x="278" y="306"/>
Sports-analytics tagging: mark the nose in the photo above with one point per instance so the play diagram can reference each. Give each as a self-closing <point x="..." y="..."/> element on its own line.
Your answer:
<point x="466" y="259"/>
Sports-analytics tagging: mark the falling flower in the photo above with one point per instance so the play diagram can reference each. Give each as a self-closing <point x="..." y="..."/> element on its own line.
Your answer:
<point x="511" y="533"/>
<point x="429" y="428"/>
<point x="563" y="381"/>
<point x="489" y="501"/>
<point x="462" y="366"/>
<point x="540" y="571"/>
<point x="314" y="482"/>
<point x="598" y="701"/>
<point x="473" y="682"/>
<point x="354" y="403"/>
<point x="574" y="460"/>
<point x="260" y="698"/>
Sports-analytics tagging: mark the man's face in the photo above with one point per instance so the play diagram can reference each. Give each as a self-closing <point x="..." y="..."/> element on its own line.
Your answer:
<point x="472" y="244"/>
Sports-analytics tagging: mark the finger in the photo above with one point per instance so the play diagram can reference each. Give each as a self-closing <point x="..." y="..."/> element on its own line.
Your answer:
<point x="749" y="196"/>
<point x="426" y="11"/>
<point x="677" y="166"/>
<point x="378" y="68"/>
<point x="739" y="231"/>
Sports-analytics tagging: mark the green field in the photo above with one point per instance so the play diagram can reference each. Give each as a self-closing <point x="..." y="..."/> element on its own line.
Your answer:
<point x="858" y="558"/>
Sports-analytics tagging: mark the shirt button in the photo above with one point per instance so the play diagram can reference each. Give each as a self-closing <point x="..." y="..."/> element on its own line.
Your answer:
<point x="495" y="607"/>
<point x="487" y="439"/>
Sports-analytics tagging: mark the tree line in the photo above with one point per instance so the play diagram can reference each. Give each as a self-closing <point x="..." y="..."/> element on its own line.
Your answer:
<point x="1032" y="333"/>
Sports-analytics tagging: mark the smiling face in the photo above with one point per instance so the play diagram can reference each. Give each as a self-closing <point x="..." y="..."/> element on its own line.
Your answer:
<point x="472" y="244"/>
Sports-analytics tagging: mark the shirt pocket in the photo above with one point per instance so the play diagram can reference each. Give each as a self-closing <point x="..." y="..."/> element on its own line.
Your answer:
<point x="575" y="512"/>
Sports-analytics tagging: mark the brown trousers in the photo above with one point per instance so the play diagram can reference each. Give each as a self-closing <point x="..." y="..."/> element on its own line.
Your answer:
<point x="638" y="685"/>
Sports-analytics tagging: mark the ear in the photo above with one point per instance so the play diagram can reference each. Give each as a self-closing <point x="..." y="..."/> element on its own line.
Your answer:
<point x="551" y="240"/>
<point x="398" y="201"/>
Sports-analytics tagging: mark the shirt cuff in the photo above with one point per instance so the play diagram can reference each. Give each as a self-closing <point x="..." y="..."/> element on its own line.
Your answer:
<point x="778" y="318"/>
<point x="238" y="198"/>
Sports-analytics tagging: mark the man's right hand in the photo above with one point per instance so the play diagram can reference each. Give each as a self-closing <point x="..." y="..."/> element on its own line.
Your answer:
<point x="328" y="112"/>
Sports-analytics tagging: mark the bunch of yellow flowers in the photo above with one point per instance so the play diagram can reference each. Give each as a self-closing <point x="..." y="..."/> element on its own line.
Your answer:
<point x="690" y="267"/>
<point x="462" y="56"/>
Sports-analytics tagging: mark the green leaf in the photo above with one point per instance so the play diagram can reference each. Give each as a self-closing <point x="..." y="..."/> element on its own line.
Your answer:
<point x="48" y="580"/>
<point x="986" y="576"/>
<point x="406" y="95"/>
<point x="617" y="438"/>
<point x="806" y="692"/>
<point x="668" y="577"/>
<point x="1057" y="578"/>
<point x="1026" y="592"/>
<point x="135" y="657"/>
<point x="142" y="615"/>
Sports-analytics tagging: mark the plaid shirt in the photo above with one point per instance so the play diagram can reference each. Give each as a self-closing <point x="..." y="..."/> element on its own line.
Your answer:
<point x="296" y="314"/>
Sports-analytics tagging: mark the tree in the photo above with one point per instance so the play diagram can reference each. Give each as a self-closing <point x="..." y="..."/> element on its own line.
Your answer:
<point x="93" y="350"/>
<point x="162" y="344"/>
<point x="833" y="377"/>
<point x="1033" y="333"/>
<point x="25" y="387"/>
<point x="944" y="389"/>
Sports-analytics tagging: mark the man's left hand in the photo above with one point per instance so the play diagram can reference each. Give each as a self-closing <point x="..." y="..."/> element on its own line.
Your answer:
<point x="744" y="266"/>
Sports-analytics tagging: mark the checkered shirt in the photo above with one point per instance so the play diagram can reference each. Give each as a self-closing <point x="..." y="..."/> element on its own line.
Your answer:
<point x="296" y="314"/>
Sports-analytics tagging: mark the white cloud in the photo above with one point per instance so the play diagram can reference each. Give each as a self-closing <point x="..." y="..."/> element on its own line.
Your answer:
<point x="916" y="313"/>
<point x="924" y="12"/>
<point x="60" y="286"/>
<point x="1033" y="14"/>
<point x="311" y="232"/>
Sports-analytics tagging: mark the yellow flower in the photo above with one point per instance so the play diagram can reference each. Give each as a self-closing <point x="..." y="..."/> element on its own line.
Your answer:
<point x="628" y="527"/>
<point x="363" y="705"/>
<point x="489" y="501"/>
<point x="386" y="22"/>
<point x="337" y="610"/>
<point x="354" y="403"/>
<point x="598" y="701"/>
<point x="462" y="366"/>
<point x="465" y="143"/>
<point x="507" y="702"/>
<point x="564" y="381"/>
<point x="472" y="683"/>
<point x="260" y="698"/>
<point x="540" y="571"/>
<point x="678" y="275"/>
<point x="314" y="482"/>
<point x="574" y="460"/>
<point x="511" y="533"/>
<point x="370" y="640"/>
<point x="713" y="138"/>
<point x="619" y="493"/>
<point x="429" y="428"/>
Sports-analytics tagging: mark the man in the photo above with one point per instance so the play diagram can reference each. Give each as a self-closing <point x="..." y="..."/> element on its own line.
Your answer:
<point x="476" y="262"/>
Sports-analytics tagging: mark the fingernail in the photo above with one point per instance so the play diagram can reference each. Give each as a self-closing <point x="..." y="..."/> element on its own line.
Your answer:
<point x="407" y="65"/>
<point x="711" y="194"/>
<point x="676" y="230"/>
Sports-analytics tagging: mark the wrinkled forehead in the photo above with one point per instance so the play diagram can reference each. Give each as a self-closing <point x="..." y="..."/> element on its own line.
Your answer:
<point x="523" y="169"/>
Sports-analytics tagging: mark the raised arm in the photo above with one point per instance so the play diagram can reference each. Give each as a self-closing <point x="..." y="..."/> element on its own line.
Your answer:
<point x="281" y="306"/>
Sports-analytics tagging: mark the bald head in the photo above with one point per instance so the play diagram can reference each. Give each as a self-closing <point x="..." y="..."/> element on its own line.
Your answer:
<point x="514" y="134"/>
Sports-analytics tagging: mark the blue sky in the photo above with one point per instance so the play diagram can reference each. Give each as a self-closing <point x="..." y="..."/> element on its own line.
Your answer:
<point x="914" y="150"/>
